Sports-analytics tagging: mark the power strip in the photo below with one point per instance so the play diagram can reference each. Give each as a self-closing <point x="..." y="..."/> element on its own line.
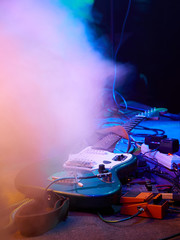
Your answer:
<point x="166" y="160"/>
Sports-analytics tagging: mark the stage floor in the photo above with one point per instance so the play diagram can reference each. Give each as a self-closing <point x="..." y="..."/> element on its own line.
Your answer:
<point x="87" y="225"/>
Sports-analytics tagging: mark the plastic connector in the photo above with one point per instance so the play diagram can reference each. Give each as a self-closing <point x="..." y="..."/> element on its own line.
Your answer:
<point x="167" y="160"/>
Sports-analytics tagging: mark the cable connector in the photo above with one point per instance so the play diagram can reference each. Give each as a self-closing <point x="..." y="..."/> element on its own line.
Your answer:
<point x="140" y="209"/>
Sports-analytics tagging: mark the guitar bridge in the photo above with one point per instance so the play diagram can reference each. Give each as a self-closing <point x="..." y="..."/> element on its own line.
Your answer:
<point x="105" y="177"/>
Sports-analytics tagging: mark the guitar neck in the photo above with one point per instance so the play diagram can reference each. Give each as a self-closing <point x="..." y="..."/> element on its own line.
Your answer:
<point x="109" y="141"/>
<point x="133" y="122"/>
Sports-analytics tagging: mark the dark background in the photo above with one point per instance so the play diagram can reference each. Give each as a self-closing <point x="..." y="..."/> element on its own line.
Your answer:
<point x="151" y="43"/>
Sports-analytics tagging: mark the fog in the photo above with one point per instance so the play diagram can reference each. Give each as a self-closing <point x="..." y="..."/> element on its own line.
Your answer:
<point x="51" y="83"/>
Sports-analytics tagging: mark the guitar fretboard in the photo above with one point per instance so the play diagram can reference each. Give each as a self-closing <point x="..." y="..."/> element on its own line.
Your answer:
<point x="109" y="141"/>
<point x="132" y="123"/>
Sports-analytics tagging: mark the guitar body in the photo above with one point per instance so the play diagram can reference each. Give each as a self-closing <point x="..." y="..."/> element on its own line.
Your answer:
<point x="80" y="177"/>
<point x="93" y="193"/>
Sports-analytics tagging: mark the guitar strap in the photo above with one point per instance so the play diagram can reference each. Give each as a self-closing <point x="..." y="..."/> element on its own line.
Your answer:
<point x="34" y="217"/>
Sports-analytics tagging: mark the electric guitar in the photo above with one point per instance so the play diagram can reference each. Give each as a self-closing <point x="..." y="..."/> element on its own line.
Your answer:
<point x="92" y="178"/>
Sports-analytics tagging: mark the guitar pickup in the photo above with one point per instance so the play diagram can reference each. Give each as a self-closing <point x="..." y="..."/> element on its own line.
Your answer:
<point x="120" y="157"/>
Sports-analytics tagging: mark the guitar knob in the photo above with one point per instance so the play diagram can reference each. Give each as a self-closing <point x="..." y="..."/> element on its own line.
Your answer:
<point x="102" y="168"/>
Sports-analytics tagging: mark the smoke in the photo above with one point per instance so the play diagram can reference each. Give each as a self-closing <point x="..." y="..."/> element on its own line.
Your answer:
<point x="51" y="83"/>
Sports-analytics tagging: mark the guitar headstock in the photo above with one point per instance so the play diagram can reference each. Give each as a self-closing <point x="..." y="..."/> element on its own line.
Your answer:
<point x="153" y="112"/>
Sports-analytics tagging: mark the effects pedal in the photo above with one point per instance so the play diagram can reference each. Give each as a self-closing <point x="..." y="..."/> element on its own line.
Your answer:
<point x="153" y="204"/>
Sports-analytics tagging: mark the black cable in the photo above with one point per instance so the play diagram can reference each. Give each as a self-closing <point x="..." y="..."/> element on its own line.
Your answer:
<point x="172" y="209"/>
<point x="100" y="175"/>
<point x="150" y="150"/>
<point x="148" y="128"/>
<point x="121" y="220"/>
<point x="57" y="180"/>
<point x="170" y="237"/>
<point x="168" y="177"/>
<point x="156" y="130"/>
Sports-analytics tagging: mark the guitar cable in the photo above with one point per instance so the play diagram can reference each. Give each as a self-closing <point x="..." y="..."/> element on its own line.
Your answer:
<point x="101" y="175"/>
<point x="140" y="210"/>
<point x="170" y="237"/>
<point x="174" y="180"/>
<point x="115" y="57"/>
